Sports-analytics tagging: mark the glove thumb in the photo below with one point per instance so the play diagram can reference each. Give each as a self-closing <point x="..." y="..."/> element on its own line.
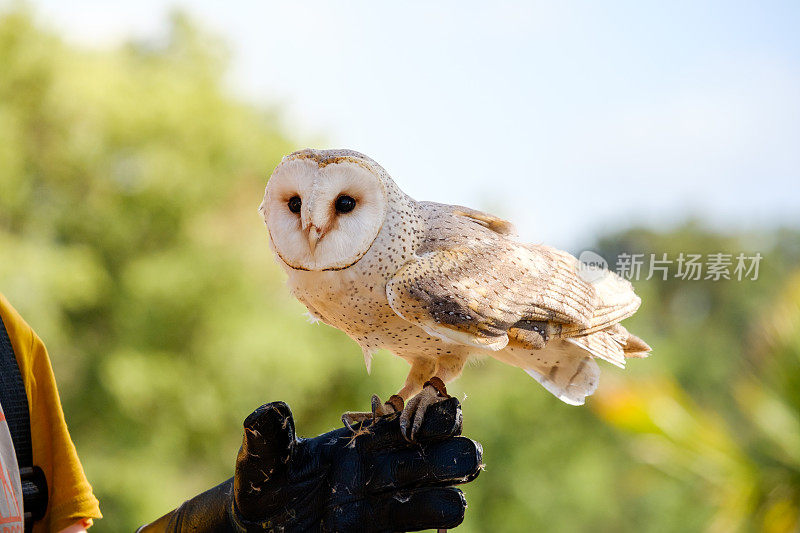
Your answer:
<point x="269" y="438"/>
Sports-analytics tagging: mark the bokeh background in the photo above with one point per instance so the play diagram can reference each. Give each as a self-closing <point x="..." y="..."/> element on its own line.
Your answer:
<point x="135" y="143"/>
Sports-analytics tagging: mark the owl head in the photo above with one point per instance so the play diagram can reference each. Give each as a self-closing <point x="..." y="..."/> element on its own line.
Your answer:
<point x="324" y="208"/>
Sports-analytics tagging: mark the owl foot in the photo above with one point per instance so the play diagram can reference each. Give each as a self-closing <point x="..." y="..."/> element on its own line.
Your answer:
<point x="392" y="406"/>
<point x="411" y="418"/>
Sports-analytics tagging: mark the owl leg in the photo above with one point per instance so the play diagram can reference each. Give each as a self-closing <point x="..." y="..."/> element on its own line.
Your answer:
<point x="446" y="368"/>
<point x="422" y="369"/>
<point x="413" y="414"/>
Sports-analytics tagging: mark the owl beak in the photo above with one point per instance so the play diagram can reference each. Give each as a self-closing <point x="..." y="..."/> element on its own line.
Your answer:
<point x="314" y="235"/>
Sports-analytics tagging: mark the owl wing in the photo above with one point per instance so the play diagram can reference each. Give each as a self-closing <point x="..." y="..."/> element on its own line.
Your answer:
<point x="473" y="284"/>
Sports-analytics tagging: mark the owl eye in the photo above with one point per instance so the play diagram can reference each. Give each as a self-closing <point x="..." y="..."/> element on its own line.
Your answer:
<point x="345" y="204"/>
<point x="294" y="204"/>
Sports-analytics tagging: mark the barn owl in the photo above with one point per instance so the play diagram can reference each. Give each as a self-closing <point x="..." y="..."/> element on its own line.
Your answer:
<point x="438" y="284"/>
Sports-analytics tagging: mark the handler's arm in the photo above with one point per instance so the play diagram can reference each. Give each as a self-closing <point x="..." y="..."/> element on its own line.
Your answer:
<point x="204" y="512"/>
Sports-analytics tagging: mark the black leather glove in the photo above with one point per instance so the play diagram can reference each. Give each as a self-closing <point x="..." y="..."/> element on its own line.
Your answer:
<point x="370" y="479"/>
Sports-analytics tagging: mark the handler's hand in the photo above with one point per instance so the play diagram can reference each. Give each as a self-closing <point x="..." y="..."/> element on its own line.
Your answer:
<point x="368" y="480"/>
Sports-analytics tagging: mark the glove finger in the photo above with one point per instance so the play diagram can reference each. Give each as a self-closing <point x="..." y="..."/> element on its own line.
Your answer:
<point x="409" y="510"/>
<point x="442" y="420"/>
<point x="456" y="460"/>
<point x="419" y="509"/>
<point x="267" y="443"/>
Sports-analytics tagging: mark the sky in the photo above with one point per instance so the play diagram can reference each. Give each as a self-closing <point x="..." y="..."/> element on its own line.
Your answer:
<point x="569" y="118"/>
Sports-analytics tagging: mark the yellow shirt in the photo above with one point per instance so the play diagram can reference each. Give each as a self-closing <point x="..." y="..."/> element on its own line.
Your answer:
<point x="70" y="495"/>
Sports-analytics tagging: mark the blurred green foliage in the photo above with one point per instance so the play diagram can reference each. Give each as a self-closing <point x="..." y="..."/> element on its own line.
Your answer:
<point x="130" y="240"/>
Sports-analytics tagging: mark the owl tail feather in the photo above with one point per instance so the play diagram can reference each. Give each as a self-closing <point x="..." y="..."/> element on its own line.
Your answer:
<point x="635" y="347"/>
<point x="569" y="373"/>
<point x="613" y="344"/>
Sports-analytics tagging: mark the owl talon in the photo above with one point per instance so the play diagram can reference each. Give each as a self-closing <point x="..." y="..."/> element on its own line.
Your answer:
<point x="379" y="409"/>
<point x="413" y="414"/>
<point x="439" y="385"/>
<point x="390" y="407"/>
<point x="351" y="418"/>
<point x="395" y="402"/>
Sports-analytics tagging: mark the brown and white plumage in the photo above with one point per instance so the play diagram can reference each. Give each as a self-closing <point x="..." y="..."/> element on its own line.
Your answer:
<point x="437" y="284"/>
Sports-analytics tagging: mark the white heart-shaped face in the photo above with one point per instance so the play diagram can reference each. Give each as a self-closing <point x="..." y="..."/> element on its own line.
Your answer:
<point x="306" y="211"/>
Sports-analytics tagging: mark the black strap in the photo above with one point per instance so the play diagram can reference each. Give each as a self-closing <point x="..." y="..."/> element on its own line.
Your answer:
<point x="15" y="407"/>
